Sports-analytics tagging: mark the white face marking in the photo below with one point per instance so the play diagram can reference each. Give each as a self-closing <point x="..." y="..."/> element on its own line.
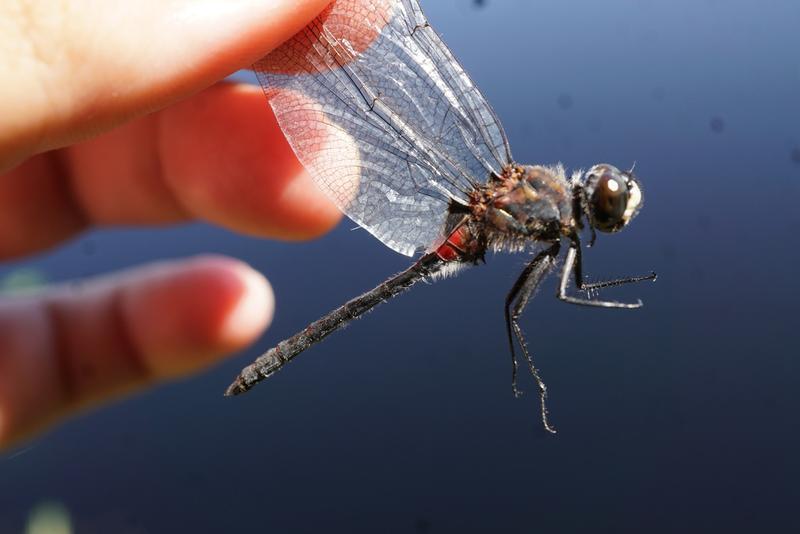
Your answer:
<point x="613" y="185"/>
<point x="634" y="200"/>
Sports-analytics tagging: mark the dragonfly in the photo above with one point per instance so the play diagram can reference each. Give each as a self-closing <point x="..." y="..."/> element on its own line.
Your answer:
<point x="392" y="128"/>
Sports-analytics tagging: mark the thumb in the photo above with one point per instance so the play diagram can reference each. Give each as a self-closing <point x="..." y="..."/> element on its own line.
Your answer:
<point x="80" y="68"/>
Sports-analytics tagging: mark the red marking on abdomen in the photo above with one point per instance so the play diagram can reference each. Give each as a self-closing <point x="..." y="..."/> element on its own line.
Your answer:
<point x="454" y="246"/>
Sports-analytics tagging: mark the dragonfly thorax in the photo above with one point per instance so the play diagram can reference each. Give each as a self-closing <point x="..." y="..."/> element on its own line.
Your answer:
<point x="524" y="204"/>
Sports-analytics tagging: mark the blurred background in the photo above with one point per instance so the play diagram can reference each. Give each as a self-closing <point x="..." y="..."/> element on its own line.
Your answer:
<point x="682" y="416"/>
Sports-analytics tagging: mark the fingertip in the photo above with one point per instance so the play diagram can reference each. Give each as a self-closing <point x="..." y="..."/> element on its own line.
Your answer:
<point x="227" y="161"/>
<point x="253" y="311"/>
<point x="186" y="315"/>
<point x="323" y="214"/>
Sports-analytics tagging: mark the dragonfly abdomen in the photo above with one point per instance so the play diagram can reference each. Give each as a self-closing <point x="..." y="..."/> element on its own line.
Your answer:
<point x="274" y="359"/>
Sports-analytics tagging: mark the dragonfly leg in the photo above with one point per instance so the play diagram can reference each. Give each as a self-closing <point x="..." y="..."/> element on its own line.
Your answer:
<point x="573" y="265"/>
<point x="593" y="286"/>
<point x="516" y="301"/>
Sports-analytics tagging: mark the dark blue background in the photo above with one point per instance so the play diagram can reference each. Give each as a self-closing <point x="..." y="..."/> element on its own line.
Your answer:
<point x="680" y="417"/>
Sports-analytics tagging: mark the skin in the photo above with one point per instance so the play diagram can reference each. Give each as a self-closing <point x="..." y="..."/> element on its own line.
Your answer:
<point x="113" y="113"/>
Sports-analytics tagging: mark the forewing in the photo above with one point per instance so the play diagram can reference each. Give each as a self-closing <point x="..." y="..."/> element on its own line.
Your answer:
<point x="384" y="118"/>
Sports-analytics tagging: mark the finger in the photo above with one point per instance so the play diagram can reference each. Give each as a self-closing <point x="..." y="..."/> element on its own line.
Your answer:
<point x="82" y="67"/>
<point x="70" y="348"/>
<point x="219" y="156"/>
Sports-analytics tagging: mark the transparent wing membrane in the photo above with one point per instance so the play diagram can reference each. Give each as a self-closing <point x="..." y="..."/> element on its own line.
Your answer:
<point x="384" y="118"/>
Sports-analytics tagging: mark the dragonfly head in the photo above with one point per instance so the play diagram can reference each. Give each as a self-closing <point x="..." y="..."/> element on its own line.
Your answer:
<point x="612" y="197"/>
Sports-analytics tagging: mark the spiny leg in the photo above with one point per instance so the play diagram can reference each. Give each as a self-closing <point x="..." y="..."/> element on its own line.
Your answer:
<point x="570" y="267"/>
<point x="526" y="283"/>
<point x="516" y="301"/>
<point x="510" y="300"/>
<point x="592" y="286"/>
<point x="588" y="287"/>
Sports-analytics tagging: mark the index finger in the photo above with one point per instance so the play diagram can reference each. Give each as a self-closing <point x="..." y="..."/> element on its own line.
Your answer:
<point x="219" y="156"/>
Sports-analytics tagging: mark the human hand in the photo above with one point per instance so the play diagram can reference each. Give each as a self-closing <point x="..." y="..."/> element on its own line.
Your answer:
<point x="72" y="70"/>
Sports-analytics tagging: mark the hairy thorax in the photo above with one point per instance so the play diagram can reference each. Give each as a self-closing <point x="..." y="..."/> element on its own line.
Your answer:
<point x="522" y="206"/>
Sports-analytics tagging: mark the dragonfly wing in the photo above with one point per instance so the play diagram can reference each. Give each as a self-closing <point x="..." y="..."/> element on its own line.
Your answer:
<point x="383" y="118"/>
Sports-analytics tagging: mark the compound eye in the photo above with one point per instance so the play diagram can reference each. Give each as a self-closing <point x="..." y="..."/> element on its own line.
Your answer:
<point x="609" y="200"/>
